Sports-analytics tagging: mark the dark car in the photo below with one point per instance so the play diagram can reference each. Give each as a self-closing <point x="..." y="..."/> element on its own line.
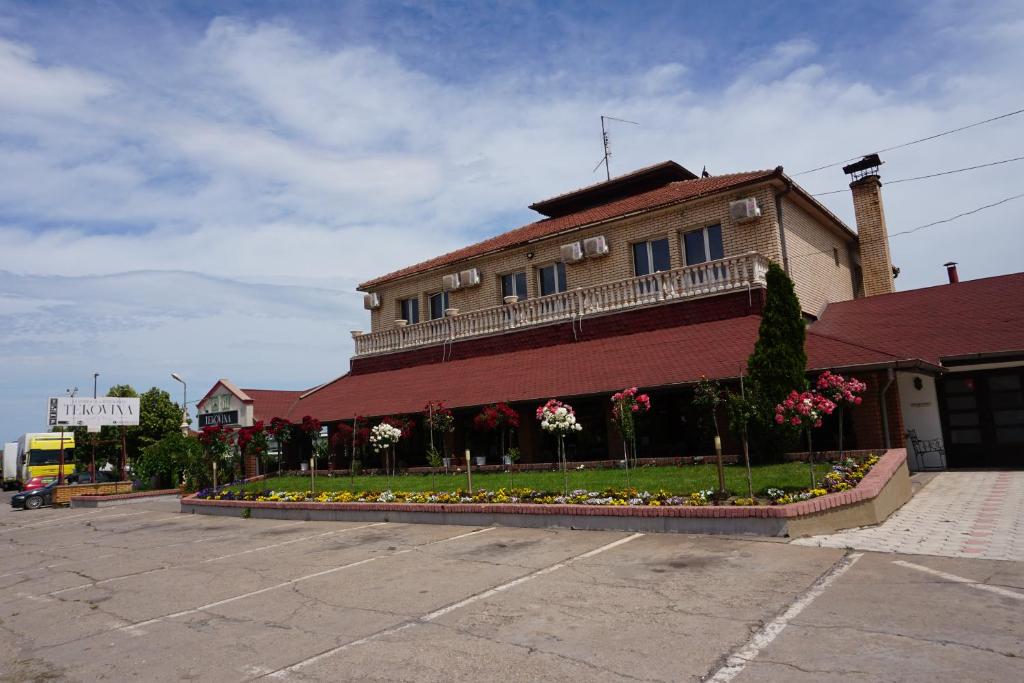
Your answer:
<point x="34" y="499"/>
<point x="86" y="478"/>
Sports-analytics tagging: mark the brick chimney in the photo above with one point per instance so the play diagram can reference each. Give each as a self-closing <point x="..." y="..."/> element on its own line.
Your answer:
<point x="875" y="262"/>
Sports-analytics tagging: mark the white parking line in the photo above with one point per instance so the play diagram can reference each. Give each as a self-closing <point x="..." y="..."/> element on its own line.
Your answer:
<point x="212" y="559"/>
<point x="292" y="582"/>
<point x="289" y="542"/>
<point x="54" y="520"/>
<point x="739" y="659"/>
<point x="121" y="551"/>
<point x="998" y="590"/>
<point x="431" y="616"/>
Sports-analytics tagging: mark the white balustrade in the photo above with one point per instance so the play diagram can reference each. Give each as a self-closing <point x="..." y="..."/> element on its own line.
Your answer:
<point x="703" y="279"/>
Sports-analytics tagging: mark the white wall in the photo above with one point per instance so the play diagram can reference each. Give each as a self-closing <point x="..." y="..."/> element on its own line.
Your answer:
<point x="225" y="401"/>
<point x="920" y="408"/>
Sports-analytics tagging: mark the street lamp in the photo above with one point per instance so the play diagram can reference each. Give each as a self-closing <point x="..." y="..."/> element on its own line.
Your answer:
<point x="94" y="376"/>
<point x="184" y="402"/>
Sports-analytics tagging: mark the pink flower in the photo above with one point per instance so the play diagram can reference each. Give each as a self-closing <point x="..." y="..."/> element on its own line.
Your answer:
<point x="779" y="419"/>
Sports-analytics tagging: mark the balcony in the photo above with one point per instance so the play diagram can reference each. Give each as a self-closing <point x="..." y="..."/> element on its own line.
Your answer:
<point x="705" y="279"/>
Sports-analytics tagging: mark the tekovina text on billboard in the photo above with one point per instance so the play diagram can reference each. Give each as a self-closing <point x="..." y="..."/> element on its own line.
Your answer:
<point x="93" y="412"/>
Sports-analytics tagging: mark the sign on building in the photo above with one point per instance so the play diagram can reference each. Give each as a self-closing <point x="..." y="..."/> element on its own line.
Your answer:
<point x="108" y="411"/>
<point x="228" y="417"/>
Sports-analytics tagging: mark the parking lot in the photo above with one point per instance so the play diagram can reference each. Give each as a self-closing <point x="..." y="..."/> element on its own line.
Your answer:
<point x="141" y="591"/>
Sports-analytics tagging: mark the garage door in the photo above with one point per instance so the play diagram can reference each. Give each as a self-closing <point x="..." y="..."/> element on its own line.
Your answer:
<point x="983" y="418"/>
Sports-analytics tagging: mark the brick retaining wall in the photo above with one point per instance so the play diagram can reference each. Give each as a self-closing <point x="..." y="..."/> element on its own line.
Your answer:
<point x="764" y="520"/>
<point x="62" y="494"/>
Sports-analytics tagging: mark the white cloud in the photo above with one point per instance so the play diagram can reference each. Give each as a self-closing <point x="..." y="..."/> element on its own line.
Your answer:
<point x="215" y="213"/>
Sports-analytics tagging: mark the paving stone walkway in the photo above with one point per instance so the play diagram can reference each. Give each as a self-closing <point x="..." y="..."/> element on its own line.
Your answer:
<point x="957" y="514"/>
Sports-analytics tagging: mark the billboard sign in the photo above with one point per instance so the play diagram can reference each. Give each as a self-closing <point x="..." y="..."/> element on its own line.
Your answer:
<point x="228" y="417"/>
<point x="107" y="411"/>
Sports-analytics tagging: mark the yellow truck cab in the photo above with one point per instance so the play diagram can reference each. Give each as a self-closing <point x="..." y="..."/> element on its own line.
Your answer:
<point x="39" y="454"/>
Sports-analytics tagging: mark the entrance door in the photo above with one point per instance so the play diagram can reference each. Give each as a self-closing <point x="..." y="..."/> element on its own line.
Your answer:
<point x="983" y="418"/>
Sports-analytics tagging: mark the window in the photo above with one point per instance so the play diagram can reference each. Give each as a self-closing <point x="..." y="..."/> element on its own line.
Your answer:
<point x="651" y="257"/>
<point x="552" y="279"/>
<point x="703" y="245"/>
<point x="438" y="302"/>
<point x="514" y="284"/>
<point x="410" y="310"/>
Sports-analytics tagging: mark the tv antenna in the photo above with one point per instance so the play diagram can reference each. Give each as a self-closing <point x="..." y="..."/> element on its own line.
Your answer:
<point x="607" y="144"/>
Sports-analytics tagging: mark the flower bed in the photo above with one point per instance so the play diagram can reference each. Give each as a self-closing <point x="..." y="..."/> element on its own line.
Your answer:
<point x="842" y="477"/>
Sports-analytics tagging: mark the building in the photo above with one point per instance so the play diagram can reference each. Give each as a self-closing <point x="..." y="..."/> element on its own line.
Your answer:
<point x="228" y="406"/>
<point x="655" y="279"/>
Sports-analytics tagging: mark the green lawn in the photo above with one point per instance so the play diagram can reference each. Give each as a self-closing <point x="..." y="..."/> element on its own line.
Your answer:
<point x="678" y="480"/>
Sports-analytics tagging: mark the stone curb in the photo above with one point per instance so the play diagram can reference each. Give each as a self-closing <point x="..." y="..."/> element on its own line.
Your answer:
<point x="868" y="488"/>
<point x="95" y="501"/>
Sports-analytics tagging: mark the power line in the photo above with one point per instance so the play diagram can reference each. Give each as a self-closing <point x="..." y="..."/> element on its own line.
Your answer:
<point x="959" y="215"/>
<point x="914" y="142"/>
<point x="930" y="175"/>
<point x="921" y="227"/>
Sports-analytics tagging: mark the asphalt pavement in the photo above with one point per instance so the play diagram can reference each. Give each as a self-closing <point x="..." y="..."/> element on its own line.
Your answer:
<point x="141" y="591"/>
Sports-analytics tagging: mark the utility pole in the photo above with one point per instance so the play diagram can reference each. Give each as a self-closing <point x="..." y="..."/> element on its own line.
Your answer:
<point x="95" y="376"/>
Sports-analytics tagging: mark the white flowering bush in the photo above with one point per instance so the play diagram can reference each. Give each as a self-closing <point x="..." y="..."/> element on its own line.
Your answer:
<point x="384" y="436"/>
<point x="558" y="418"/>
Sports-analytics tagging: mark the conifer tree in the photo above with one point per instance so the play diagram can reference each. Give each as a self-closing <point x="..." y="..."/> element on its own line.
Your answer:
<point x="779" y="362"/>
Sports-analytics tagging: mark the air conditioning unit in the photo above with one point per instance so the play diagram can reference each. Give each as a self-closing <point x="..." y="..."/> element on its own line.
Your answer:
<point x="469" y="278"/>
<point x="595" y="247"/>
<point x="371" y="301"/>
<point x="743" y="210"/>
<point x="572" y="253"/>
<point x="450" y="282"/>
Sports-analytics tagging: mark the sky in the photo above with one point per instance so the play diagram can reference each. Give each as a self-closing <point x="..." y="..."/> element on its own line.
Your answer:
<point x="198" y="187"/>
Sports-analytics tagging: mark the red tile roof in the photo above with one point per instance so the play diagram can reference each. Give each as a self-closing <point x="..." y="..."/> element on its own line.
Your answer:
<point x="270" y="403"/>
<point x="978" y="316"/>
<point x="671" y="193"/>
<point x="659" y="358"/>
<point x="972" y="317"/>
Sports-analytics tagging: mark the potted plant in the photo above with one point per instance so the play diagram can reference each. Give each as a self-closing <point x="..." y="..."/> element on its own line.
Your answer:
<point x="451" y="312"/>
<point x="401" y="322"/>
<point x="511" y="299"/>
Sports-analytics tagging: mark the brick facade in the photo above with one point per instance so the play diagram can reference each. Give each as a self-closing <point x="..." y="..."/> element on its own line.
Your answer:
<point x="868" y="428"/>
<point x="761" y="236"/>
<point x="654" y="317"/>
<point x="818" y="259"/>
<point x="876" y="263"/>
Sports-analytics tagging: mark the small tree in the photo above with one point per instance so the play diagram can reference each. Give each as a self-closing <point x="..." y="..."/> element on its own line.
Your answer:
<point x="500" y="418"/>
<point x="175" y="459"/>
<point x="742" y="410"/>
<point x="779" y="361"/>
<point x="341" y="441"/>
<point x="281" y="430"/>
<point x="843" y="392"/>
<point x="311" y="427"/>
<point x="804" y="411"/>
<point x="216" y="443"/>
<point x="707" y="397"/>
<point x="383" y="438"/>
<point x="559" y="419"/>
<point x="252" y="443"/>
<point x="437" y="418"/>
<point x="626" y="405"/>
